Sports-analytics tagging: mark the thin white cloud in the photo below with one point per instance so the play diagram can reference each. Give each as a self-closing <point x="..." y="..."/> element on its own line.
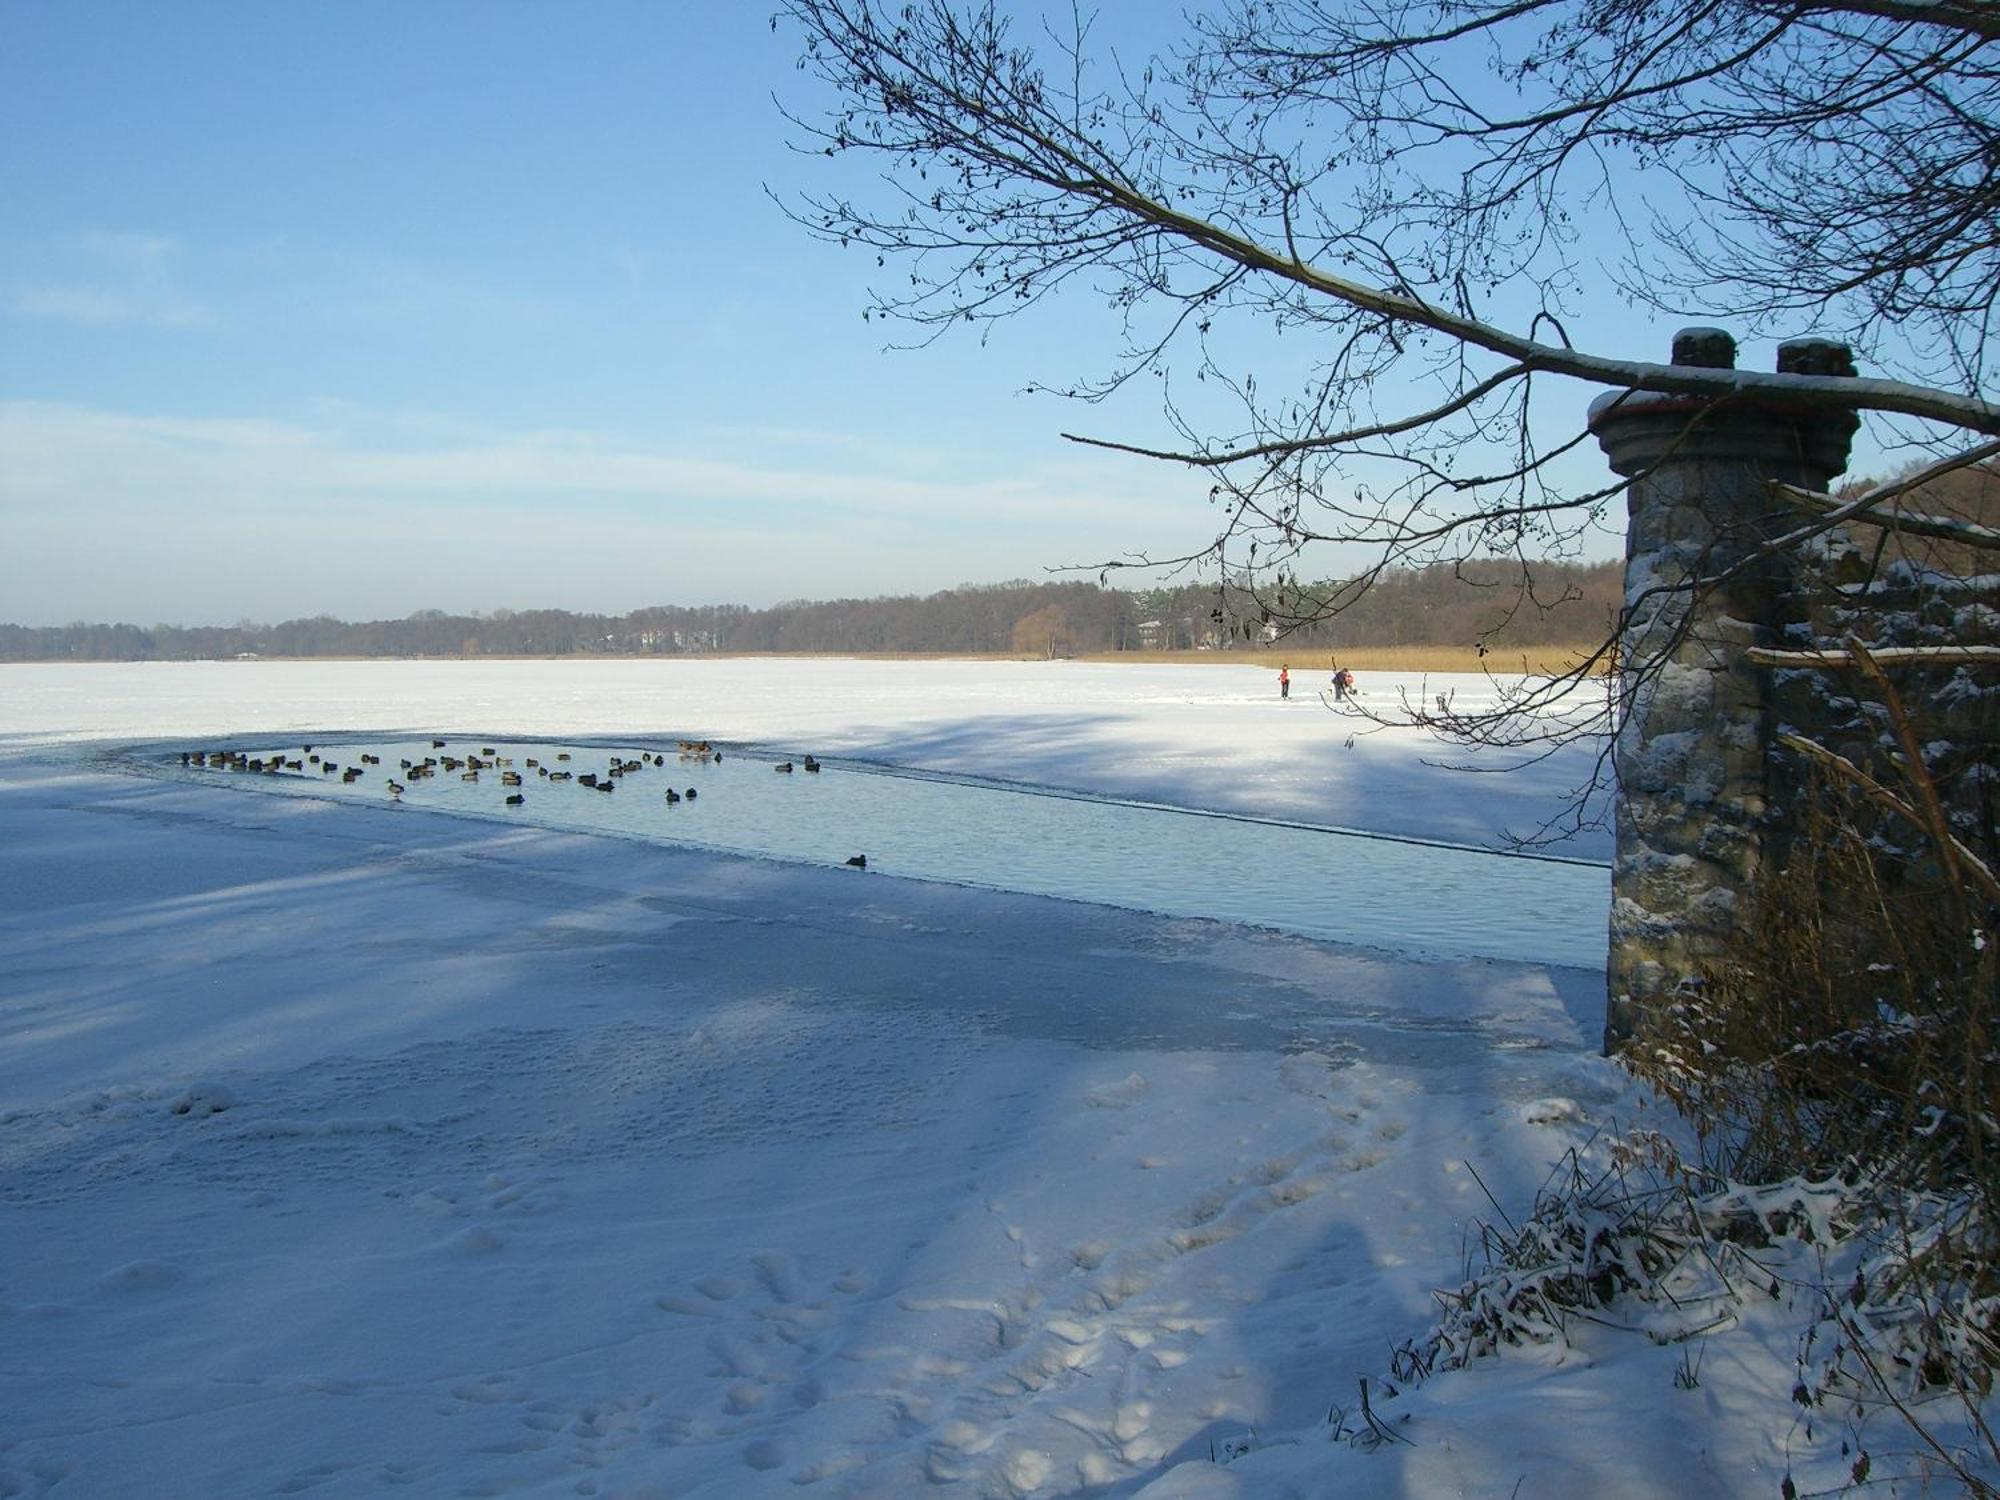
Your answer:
<point x="139" y="252"/>
<point x="631" y="264"/>
<point x="101" y="306"/>
<point x="115" y="279"/>
<point x="50" y="451"/>
<point x="113" y="514"/>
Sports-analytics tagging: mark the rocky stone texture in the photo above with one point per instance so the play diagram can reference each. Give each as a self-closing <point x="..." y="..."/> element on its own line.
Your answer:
<point x="1692" y="753"/>
<point x="1847" y="591"/>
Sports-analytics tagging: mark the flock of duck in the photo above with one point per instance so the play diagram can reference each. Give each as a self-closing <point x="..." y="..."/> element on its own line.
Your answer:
<point x="467" y="767"/>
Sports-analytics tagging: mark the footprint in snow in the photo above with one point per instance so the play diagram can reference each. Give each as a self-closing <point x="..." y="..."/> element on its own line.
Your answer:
<point x="143" y="1276"/>
<point x="734" y="1358"/>
<point x="202" y="1100"/>
<point x="1122" y="1094"/>
<point x="775" y="1271"/>
<point x="473" y="1242"/>
<point x="490" y="1392"/>
<point x="1551" y="1112"/>
<point x="764" y="1347"/>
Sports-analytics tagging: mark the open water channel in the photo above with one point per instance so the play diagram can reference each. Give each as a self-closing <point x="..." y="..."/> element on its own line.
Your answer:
<point x="1425" y="900"/>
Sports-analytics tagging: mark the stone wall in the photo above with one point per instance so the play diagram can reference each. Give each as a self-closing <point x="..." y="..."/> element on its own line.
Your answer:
<point x="1847" y="590"/>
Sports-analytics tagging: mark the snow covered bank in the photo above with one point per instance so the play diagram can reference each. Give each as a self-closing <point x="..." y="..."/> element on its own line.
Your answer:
<point x="344" y="1149"/>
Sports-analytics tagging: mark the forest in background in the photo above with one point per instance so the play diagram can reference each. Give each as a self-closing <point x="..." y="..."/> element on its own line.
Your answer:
<point x="1465" y="606"/>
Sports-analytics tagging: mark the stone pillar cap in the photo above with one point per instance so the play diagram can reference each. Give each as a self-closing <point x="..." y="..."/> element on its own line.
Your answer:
<point x="1711" y="348"/>
<point x="1815" y="356"/>
<point x="1798" y="441"/>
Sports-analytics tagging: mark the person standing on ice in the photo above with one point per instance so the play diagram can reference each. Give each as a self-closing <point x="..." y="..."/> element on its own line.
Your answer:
<point x="1284" y="682"/>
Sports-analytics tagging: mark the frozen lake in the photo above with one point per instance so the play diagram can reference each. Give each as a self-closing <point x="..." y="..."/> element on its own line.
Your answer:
<point x="1414" y="898"/>
<point x="356" y="1147"/>
<point x="1213" y="738"/>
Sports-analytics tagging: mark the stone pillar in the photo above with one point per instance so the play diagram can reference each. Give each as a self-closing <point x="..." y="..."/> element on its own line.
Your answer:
<point x="1691" y="749"/>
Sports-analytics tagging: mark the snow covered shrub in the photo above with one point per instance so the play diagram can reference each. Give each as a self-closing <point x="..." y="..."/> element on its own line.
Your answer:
<point x="1626" y="1242"/>
<point x="1839" y="1073"/>
<point x="1883" y="1290"/>
<point x="1848" y="1042"/>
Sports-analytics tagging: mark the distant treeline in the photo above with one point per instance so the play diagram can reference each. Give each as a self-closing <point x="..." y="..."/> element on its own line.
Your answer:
<point x="1430" y="606"/>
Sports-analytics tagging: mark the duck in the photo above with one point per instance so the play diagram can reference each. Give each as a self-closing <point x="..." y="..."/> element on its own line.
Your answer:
<point x="811" y="764"/>
<point x="672" y="796"/>
<point x="784" y="766"/>
<point x="858" y="861"/>
<point x="516" y="800"/>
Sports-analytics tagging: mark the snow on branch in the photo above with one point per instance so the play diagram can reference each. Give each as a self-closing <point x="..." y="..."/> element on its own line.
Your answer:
<point x="1888" y="656"/>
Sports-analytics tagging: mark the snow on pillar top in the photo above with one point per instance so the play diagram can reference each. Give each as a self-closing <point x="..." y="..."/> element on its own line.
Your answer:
<point x="1815" y="357"/>
<point x="1711" y="348"/>
<point x="1782" y="437"/>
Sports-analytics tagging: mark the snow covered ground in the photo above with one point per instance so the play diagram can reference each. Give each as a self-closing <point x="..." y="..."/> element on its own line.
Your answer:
<point x="356" y="1149"/>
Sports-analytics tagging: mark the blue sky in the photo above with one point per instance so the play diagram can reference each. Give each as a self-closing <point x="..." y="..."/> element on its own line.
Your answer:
<point x="368" y="308"/>
<point x="365" y="309"/>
